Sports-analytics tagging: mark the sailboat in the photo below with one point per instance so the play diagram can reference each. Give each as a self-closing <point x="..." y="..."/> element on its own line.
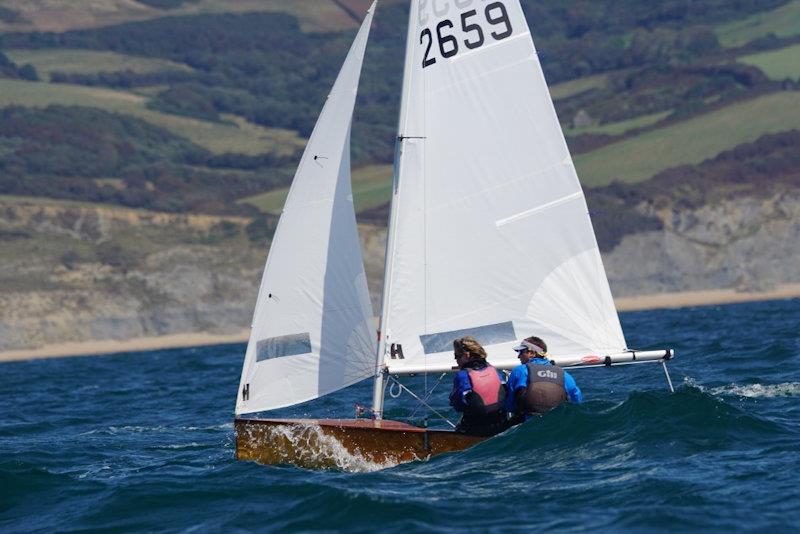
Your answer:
<point x="489" y="235"/>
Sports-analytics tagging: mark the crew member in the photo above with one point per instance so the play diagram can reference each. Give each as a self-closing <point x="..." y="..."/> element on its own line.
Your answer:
<point x="478" y="391"/>
<point x="537" y="386"/>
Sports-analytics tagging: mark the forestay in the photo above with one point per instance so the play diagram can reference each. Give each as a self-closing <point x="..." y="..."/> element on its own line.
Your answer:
<point x="490" y="234"/>
<point x="312" y="330"/>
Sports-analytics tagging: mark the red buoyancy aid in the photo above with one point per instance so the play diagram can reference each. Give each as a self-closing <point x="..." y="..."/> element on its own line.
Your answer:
<point x="488" y="389"/>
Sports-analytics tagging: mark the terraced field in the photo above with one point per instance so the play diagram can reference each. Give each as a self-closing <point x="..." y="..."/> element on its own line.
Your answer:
<point x="777" y="64"/>
<point x="89" y="62"/>
<point x="575" y="87"/>
<point x="782" y="22"/>
<point x="234" y="135"/>
<point x="619" y="128"/>
<point x="65" y="15"/>
<point x="691" y="141"/>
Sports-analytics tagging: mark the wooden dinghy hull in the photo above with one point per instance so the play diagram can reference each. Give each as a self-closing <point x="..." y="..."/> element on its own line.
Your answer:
<point x="360" y="444"/>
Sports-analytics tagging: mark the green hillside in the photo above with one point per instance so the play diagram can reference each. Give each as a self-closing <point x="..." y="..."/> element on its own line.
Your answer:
<point x="371" y="188"/>
<point x="90" y="62"/>
<point x="780" y="64"/>
<point x="577" y="86"/>
<point x="781" y="22"/>
<point x="50" y="15"/>
<point x="233" y="135"/>
<point x="691" y="141"/>
<point x="639" y="88"/>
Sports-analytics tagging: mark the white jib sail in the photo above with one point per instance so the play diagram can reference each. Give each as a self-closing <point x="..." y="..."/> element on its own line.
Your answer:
<point x="490" y="233"/>
<point x="312" y="330"/>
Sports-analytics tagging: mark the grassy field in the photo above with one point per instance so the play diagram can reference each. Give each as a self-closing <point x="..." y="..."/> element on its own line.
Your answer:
<point x="783" y="22"/>
<point x="60" y="15"/>
<point x="239" y="136"/>
<point x="372" y="187"/>
<point x="578" y="86"/>
<point x="314" y="15"/>
<point x="619" y="128"/>
<point x="89" y="62"/>
<point x="777" y="64"/>
<point x="691" y="141"/>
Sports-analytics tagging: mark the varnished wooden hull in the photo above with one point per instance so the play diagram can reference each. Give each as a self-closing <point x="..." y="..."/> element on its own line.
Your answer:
<point x="353" y="444"/>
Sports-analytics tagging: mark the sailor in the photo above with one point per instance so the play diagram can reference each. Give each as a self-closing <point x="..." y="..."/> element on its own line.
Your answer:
<point x="537" y="386"/>
<point x="479" y="392"/>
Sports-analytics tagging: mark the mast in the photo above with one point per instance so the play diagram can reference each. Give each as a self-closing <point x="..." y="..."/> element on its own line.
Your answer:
<point x="380" y="369"/>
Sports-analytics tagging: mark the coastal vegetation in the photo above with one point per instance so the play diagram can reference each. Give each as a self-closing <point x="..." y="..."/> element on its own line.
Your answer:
<point x="204" y="106"/>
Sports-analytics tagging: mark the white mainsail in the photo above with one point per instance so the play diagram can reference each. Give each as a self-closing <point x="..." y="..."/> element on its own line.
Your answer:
<point x="490" y="233"/>
<point x="312" y="330"/>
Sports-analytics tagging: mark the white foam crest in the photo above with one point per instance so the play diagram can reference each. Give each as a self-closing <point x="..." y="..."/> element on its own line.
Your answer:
<point x="692" y="383"/>
<point x="787" y="389"/>
<point x="222" y="426"/>
<point x="180" y="446"/>
<point x="310" y="446"/>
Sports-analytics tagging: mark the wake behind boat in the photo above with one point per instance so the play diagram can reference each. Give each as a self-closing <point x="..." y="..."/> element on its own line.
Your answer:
<point x="489" y="236"/>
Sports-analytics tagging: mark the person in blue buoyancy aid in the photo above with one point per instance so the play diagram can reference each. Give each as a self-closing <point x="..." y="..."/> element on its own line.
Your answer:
<point x="537" y="386"/>
<point x="478" y="393"/>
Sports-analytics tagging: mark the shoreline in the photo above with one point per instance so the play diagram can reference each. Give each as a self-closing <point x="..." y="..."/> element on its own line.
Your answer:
<point x="705" y="297"/>
<point x="686" y="299"/>
<point x="106" y="347"/>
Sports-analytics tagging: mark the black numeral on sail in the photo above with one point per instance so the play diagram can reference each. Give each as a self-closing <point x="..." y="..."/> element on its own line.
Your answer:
<point x="452" y="49"/>
<point x="427" y="61"/>
<point x="503" y="18"/>
<point x="472" y="29"/>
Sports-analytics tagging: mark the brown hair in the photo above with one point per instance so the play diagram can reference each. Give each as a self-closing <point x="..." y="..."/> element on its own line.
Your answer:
<point x="470" y="346"/>
<point x="537" y="341"/>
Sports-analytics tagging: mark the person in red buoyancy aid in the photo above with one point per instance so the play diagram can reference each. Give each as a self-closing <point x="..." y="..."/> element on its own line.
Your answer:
<point x="479" y="392"/>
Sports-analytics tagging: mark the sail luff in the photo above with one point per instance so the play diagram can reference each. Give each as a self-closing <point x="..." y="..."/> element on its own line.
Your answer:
<point x="312" y="332"/>
<point x="379" y="386"/>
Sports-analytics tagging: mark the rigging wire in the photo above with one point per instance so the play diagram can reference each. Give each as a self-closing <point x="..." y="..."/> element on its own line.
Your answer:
<point x="427" y="396"/>
<point x="431" y="408"/>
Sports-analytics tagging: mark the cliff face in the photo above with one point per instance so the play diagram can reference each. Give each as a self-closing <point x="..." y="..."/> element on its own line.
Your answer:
<point x="79" y="273"/>
<point x="747" y="243"/>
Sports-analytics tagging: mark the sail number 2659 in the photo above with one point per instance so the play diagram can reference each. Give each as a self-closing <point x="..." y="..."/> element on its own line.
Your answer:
<point x="495" y="15"/>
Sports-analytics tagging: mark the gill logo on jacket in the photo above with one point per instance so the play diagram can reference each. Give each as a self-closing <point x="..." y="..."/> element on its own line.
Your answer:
<point x="546" y="373"/>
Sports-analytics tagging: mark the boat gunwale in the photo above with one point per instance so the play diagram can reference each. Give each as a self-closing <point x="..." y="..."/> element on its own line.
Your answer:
<point x="383" y="425"/>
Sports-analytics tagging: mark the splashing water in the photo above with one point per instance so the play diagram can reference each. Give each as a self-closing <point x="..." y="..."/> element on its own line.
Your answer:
<point x="308" y="444"/>
<point x="787" y="389"/>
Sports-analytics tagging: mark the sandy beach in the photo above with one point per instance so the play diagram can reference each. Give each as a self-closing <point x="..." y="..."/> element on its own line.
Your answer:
<point x="688" y="299"/>
<point x="634" y="303"/>
<point x="96" y="348"/>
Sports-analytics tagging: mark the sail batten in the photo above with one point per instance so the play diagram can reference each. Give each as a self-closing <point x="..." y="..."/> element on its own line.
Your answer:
<point x="312" y="330"/>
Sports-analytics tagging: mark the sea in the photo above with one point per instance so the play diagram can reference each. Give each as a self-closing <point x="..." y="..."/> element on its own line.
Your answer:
<point x="145" y="442"/>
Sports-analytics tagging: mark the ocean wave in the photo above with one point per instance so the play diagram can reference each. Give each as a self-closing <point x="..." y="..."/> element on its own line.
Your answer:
<point x="647" y="424"/>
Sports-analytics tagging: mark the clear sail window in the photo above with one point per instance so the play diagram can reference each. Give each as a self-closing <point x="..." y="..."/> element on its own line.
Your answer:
<point x="278" y="347"/>
<point x="490" y="334"/>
